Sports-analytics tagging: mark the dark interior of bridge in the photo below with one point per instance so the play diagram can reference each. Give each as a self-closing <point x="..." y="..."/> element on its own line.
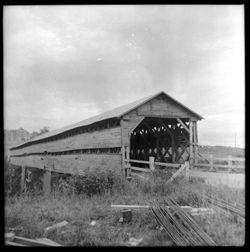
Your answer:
<point x="164" y="138"/>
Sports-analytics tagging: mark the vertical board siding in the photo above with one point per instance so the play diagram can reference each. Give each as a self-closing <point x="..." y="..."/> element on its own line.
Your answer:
<point x="129" y="123"/>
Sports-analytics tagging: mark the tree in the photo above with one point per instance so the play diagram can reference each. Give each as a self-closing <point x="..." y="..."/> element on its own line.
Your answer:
<point x="42" y="131"/>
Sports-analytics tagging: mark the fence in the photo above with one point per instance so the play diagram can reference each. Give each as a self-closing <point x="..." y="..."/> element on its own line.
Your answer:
<point x="130" y="169"/>
<point x="181" y="167"/>
<point x="214" y="163"/>
<point x="204" y="162"/>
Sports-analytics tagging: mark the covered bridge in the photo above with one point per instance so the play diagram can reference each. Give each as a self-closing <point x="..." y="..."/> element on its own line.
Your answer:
<point x="157" y="126"/>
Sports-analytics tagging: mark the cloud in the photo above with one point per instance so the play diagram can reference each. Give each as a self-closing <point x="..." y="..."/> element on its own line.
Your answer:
<point x="57" y="58"/>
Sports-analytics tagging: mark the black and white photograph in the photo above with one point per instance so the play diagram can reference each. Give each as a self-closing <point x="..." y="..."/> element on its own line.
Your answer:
<point x="124" y="125"/>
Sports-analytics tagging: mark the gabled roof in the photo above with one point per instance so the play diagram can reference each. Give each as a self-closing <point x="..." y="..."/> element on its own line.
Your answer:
<point x="114" y="113"/>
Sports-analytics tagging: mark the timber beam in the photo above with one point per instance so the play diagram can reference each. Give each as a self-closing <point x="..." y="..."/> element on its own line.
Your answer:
<point x="156" y="135"/>
<point x="171" y="132"/>
<point x="183" y="125"/>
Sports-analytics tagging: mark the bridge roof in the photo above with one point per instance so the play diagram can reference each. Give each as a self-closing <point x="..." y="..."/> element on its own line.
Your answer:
<point x="114" y="113"/>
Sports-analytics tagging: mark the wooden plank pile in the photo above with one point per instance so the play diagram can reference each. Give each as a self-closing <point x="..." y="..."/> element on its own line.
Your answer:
<point x="179" y="225"/>
<point x="226" y="207"/>
<point x="191" y="210"/>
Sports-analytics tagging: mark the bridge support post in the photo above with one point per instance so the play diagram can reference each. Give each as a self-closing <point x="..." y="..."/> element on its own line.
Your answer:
<point x="191" y="142"/>
<point x="47" y="182"/>
<point x="123" y="160"/>
<point x="195" y="144"/>
<point x="22" y="182"/>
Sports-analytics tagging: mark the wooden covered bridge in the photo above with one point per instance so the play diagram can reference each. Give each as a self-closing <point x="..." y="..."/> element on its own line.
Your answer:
<point x="157" y="126"/>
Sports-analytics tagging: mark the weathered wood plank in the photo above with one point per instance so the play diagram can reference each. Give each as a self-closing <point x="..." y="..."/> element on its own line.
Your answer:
<point x="128" y="124"/>
<point x="124" y="133"/>
<point x="31" y="242"/>
<point x="183" y="125"/>
<point x="191" y="154"/>
<point x="192" y="210"/>
<point x="183" y="167"/>
<point x="47" y="182"/>
<point x="151" y="163"/>
<point x="140" y="169"/>
<point x="22" y="181"/>
<point x="168" y="164"/>
<point x="123" y="165"/>
<point x="163" y="107"/>
<point x="10" y="243"/>
<point x="195" y="142"/>
<point x="137" y="161"/>
<point x="106" y="138"/>
<point x="119" y="207"/>
<point x="156" y="163"/>
<point x="71" y="164"/>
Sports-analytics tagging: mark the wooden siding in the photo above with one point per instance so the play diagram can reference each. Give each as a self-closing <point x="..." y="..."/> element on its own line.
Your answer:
<point x="128" y="124"/>
<point x="114" y="137"/>
<point x="106" y="138"/>
<point x="161" y="106"/>
<point x="71" y="164"/>
<point x="157" y="107"/>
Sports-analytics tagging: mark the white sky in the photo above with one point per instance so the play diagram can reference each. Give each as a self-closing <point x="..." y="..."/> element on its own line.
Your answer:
<point x="63" y="64"/>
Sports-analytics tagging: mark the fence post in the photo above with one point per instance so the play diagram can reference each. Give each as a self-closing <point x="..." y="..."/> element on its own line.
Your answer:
<point x="196" y="155"/>
<point x="230" y="163"/>
<point x="151" y="165"/>
<point x="210" y="162"/>
<point x="187" y="170"/>
<point x="127" y="153"/>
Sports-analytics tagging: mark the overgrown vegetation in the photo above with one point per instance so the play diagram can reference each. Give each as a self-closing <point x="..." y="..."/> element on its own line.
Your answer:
<point x="80" y="200"/>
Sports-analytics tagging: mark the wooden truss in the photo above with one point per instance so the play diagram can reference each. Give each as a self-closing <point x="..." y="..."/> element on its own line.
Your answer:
<point x="167" y="139"/>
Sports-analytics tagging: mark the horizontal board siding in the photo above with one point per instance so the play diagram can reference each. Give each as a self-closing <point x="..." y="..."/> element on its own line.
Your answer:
<point x="72" y="164"/>
<point x="162" y="107"/>
<point x="106" y="138"/>
<point x="145" y="108"/>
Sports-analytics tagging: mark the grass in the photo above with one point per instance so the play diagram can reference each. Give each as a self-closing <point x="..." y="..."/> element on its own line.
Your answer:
<point x="33" y="212"/>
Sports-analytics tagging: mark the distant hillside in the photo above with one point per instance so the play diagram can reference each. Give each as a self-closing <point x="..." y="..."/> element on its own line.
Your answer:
<point x="221" y="151"/>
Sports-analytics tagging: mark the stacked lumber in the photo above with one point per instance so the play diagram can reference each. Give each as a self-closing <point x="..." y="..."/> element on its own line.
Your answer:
<point x="226" y="207"/>
<point x="191" y="210"/>
<point x="179" y="225"/>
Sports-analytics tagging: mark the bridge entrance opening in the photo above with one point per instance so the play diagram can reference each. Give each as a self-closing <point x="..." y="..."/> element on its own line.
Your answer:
<point x="166" y="139"/>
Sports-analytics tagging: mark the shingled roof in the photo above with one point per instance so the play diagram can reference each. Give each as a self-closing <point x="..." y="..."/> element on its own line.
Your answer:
<point x="114" y="113"/>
